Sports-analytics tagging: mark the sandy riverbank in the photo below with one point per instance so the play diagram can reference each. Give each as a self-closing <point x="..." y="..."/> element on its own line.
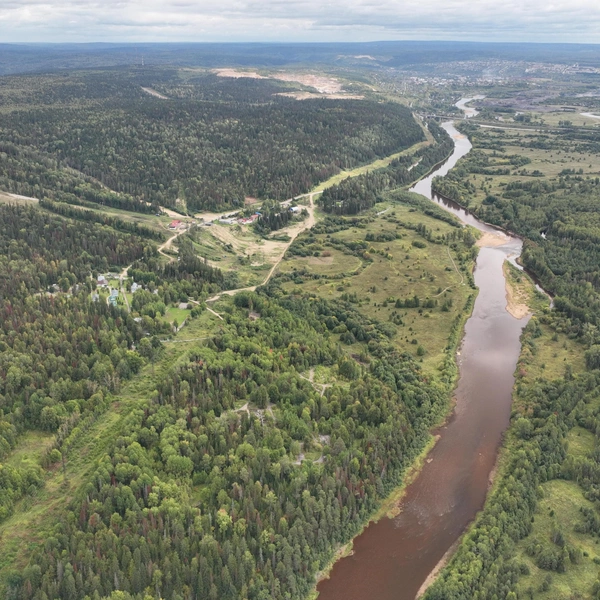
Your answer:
<point x="516" y="298"/>
<point x="492" y="240"/>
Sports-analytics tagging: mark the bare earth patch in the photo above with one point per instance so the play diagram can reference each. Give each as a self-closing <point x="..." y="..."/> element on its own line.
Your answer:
<point x="237" y="74"/>
<point x="325" y="86"/>
<point x="492" y="240"/>
<point x="516" y="299"/>
<point x="309" y="95"/>
<point x="154" y="93"/>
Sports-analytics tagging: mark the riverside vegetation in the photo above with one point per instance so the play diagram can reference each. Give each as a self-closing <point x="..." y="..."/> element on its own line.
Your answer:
<point x="537" y="535"/>
<point x="230" y="459"/>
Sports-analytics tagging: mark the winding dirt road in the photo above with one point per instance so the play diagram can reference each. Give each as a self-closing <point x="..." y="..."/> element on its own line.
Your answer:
<point x="168" y="243"/>
<point x="293" y="232"/>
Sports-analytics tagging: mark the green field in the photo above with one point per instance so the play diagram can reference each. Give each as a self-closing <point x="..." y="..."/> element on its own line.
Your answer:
<point x="388" y="271"/>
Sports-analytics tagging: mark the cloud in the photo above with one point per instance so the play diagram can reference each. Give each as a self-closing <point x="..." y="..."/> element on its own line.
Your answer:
<point x="298" y="20"/>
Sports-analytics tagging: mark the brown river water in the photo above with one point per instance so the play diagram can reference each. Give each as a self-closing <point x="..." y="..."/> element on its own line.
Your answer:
<point x="394" y="557"/>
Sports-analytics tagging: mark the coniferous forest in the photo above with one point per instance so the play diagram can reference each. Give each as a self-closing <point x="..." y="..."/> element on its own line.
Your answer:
<point x="98" y="137"/>
<point x="161" y="439"/>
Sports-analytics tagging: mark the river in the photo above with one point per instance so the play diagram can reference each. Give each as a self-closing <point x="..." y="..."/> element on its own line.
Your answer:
<point x="394" y="557"/>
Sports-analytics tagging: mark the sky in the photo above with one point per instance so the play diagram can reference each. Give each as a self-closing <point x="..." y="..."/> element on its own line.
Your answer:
<point x="576" y="21"/>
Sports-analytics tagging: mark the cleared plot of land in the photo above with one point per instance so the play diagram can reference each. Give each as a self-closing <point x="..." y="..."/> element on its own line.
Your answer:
<point x="323" y="84"/>
<point x="155" y="93"/>
<point x="378" y="164"/>
<point x="9" y="198"/>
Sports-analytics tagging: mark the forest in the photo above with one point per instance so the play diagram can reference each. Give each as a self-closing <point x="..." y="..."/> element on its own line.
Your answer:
<point x="216" y="469"/>
<point x="98" y="137"/>
<point x="205" y="500"/>
<point x="356" y="194"/>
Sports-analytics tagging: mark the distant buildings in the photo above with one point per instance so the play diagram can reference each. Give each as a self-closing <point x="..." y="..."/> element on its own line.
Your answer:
<point x="114" y="295"/>
<point x="248" y="220"/>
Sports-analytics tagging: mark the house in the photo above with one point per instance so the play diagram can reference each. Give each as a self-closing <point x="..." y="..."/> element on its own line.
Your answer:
<point x="248" y="220"/>
<point x="296" y="209"/>
<point x="135" y="287"/>
<point x="101" y="281"/>
<point x="175" y="224"/>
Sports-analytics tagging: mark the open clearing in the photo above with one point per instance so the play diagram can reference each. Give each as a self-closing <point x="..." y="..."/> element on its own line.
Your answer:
<point x="324" y="85"/>
<point x="394" y="270"/>
<point x="155" y="93"/>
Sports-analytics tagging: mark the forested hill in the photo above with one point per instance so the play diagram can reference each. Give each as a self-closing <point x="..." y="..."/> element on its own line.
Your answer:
<point x="199" y="500"/>
<point x="98" y="136"/>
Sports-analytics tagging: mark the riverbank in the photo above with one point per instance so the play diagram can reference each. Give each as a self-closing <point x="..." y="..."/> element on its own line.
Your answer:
<point x="394" y="557"/>
<point x="389" y="508"/>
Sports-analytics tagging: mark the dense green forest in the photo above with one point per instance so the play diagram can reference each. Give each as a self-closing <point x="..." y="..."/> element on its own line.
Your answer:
<point x="98" y="137"/>
<point x="198" y="499"/>
<point x="355" y="194"/>
<point x="62" y="350"/>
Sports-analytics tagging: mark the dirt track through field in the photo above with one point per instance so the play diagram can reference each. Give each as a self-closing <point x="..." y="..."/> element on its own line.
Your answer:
<point x="293" y="232"/>
<point x="167" y="245"/>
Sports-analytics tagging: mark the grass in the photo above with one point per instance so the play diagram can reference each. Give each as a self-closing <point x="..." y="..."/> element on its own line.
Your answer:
<point x="549" y="162"/>
<point x="8" y="198"/>
<point x="580" y="441"/>
<point x="30" y="448"/>
<point x="410" y="270"/>
<point x="175" y="313"/>
<point x="559" y="509"/>
<point x="373" y="166"/>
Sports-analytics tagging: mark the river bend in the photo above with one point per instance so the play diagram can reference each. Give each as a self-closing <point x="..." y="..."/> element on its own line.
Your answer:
<point x="394" y="557"/>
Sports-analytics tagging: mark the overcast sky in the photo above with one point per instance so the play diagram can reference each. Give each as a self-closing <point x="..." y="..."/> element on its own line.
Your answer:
<point x="298" y="20"/>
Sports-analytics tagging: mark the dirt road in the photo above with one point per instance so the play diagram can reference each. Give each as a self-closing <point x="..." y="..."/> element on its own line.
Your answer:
<point x="293" y="232"/>
<point x="168" y="243"/>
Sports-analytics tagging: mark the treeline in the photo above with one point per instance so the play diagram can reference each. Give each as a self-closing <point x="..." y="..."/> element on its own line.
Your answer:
<point x="272" y="217"/>
<point x="95" y="217"/>
<point x="355" y="194"/>
<point x="484" y="566"/>
<point x="188" y="277"/>
<point x="39" y="174"/>
<point x="263" y="521"/>
<point x="38" y="250"/>
<point x="212" y="153"/>
<point x="60" y="353"/>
